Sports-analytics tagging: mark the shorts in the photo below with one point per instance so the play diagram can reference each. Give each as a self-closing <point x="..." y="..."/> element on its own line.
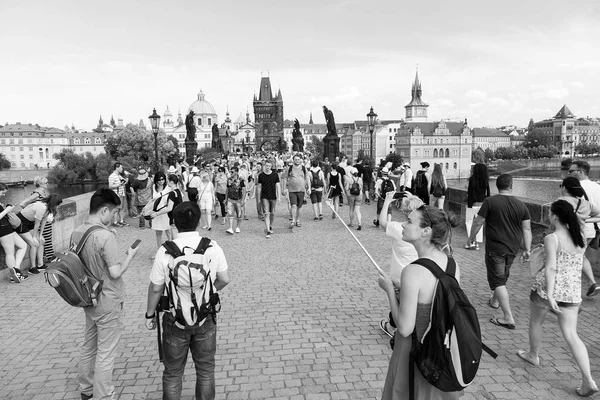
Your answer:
<point x="354" y="199"/>
<point x="498" y="268"/>
<point x="296" y="198"/>
<point x="26" y="225"/>
<point x="234" y="207"/>
<point x="540" y="301"/>
<point x="6" y="230"/>
<point x="316" y="196"/>
<point x="269" y="205"/>
<point x="206" y="203"/>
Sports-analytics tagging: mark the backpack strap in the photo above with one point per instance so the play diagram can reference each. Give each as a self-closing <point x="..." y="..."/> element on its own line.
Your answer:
<point x="435" y="269"/>
<point x="172" y="249"/>
<point x="202" y="246"/>
<point x="85" y="237"/>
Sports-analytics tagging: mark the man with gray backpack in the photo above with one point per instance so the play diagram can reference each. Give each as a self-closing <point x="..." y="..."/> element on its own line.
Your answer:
<point x="185" y="278"/>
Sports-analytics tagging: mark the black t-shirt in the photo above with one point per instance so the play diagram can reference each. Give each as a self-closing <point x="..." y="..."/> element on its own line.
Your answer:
<point x="359" y="168"/>
<point x="268" y="185"/>
<point x="503" y="216"/>
<point x="342" y="172"/>
<point x="367" y="174"/>
<point x="177" y="198"/>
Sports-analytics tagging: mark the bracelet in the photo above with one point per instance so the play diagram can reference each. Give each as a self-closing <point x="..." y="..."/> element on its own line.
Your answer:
<point x="151" y="316"/>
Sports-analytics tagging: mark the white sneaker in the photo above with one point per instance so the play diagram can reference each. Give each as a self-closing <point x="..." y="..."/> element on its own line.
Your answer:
<point x="230" y="231"/>
<point x="237" y="230"/>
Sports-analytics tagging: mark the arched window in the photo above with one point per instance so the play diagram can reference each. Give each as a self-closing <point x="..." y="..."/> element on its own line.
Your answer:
<point x="435" y="153"/>
<point x="97" y="140"/>
<point x="447" y="153"/>
<point x="76" y="141"/>
<point x="455" y="165"/>
<point x="446" y="165"/>
<point x="441" y="153"/>
<point x="87" y="140"/>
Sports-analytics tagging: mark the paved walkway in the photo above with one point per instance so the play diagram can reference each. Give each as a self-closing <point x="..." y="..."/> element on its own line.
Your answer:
<point x="299" y="321"/>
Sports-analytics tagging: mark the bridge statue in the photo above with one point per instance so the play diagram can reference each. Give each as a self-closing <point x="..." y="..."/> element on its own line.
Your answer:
<point x="190" y="139"/>
<point x="297" y="139"/>
<point x="331" y="141"/>
<point x="216" y="139"/>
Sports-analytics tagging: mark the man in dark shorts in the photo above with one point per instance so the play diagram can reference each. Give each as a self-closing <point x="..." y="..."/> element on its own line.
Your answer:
<point x="367" y="177"/>
<point x="269" y="192"/>
<point x="507" y="225"/>
<point x="296" y="183"/>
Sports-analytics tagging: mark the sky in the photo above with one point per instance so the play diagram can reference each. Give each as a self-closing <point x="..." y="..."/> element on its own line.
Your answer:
<point x="494" y="63"/>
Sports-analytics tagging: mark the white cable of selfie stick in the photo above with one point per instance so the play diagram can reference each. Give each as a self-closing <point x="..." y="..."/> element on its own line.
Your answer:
<point x="330" y="205"/>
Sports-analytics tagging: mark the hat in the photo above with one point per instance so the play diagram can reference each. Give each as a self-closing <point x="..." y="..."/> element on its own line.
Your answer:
<point x="142" y="174"/>
<point x="425" y="164"/>
<point x="385" y="170"/>
<point x="195" y="170"/>
<point x="172" y="170"/>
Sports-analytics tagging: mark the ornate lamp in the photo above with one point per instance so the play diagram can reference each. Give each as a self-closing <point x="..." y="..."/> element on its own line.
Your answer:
<point x="372" y="117"/>
<point x="155" y="123"/>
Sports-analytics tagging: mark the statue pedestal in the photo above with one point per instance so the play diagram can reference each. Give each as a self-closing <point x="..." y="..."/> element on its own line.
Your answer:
<point x="190" y="151"/>
<point x="331" y="144"/>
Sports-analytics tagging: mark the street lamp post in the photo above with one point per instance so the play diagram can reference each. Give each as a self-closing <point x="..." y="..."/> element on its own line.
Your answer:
<point x="155" y="123"/>
<point x="371" y="118"/>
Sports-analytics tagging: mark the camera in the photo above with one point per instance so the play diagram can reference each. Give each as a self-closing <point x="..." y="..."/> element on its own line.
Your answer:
<point x="399" y="195"/>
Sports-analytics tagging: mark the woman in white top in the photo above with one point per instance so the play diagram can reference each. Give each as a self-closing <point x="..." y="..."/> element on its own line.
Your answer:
<point x="160" y="220"/>
<point x="557" y="288"/>
<point x="206" y="199"/>
<point x="403" y="253"/>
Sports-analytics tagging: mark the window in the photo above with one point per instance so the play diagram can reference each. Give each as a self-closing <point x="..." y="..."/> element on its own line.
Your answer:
<point x="435" y="153"/>
<point x="29" y="140"/>
<point x="12" y="149"/>
<point x="391" y="146"/>
<point x="88" y="140"/>
<point x="455" y="166"/>
<point x="30" y="148"/>
<point x="199" y="121"/>
<point x="94" y="148"/>
<point x="1" y="141"/>
<point x="209" y="121"/>
<point x="97" y="140"/>
<point x="22" y="156"/>
<point x="391" y="137"/>
<point x="446" y="165"/>
<point x="390" y="130"/>
<point x="447" y="154"/>
<point x="31" y="156"/>
<point x="20" y="141"/>
<point x="76" y="140"/>
<point x="11" y="141"/>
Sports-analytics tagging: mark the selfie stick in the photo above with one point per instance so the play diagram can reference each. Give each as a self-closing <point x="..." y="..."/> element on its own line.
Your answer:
<point x="330" y="205"/>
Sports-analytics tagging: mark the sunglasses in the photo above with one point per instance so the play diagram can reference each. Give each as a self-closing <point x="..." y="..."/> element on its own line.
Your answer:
<point x="574" y="170"/>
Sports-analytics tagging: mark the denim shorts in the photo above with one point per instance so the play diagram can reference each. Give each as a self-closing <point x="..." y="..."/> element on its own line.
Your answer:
<point x="296" y="198"/>
<point x="542" y="302"/>
<point x="498" y="268"/>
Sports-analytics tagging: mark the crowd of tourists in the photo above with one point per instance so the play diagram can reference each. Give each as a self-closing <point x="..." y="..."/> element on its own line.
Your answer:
<point x="410" y="210"/>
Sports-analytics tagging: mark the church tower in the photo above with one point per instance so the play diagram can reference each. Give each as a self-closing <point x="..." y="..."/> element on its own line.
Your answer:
<point x="268" y="117"/>
<point x="416" y="110"/>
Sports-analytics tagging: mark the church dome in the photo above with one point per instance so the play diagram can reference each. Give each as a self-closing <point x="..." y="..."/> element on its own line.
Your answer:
<point x="168" y="112"/>
<point x="201" y="106"/>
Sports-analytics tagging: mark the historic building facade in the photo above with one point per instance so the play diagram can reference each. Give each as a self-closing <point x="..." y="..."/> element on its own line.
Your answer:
<point x="29" y="146"/>
<point x="416" y="140"/>
<point x="489" y="138"/>
<point x="567" y="131"/>
<point x="268" y="117"/>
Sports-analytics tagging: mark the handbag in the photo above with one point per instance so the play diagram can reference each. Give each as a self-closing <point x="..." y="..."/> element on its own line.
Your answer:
<point x="154" y="206"/>
<point x="13" y="219"/>
<point x="595" y="243"/>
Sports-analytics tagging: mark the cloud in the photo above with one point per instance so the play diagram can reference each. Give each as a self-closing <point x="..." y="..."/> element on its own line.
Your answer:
<point x="476" y="94"/>
<point x="345" y="94"/>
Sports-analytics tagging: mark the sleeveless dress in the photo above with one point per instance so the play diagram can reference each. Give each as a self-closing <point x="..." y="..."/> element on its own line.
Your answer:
<point x="334" y="180"/>
<point x="397" y="382"/>
<point x="567" y="283"/>
<point x="160" y="223"/>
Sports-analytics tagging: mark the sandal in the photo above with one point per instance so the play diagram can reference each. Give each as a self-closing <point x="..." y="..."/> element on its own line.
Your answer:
<point x="298" y="224"/>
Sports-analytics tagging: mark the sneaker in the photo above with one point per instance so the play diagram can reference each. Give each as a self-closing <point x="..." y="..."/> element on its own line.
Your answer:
<point x="204" y="227"/>
<point x="268" y="235"/>
<point x="476" y="245"/>
<point x="237" y="230"/>
<point x="216" y="217"/>
<point x="230" y="231"/>
<point x="320" y="216"/>
<point x="350" y="225"/>
<point x="593" y="290"/>
<point x="209" y="228"/>
<point x="23" y="278"/>
<point x="332" y="216"/>
<point x="387" y="328"/>
<point x="246" y="218"/>
<point x="42" y="267"/>
<point x="470" y="246"/>
<point x="15" y="276"/>
<point x="86" y="396"/>
<point x="298" y="224"/>
<point x="123" y="223"/>
<point x="359" y="228"/>
<point x="34" y="271"/>
<point x="292" y="224"/>
<point x="315" y="218"/>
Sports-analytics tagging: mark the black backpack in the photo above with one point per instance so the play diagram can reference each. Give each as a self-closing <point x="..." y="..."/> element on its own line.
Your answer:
<point x="438" y="190"/>
<point x="386" y="186"/>
<point x="420" y="180"/>
<point x="449" y="352"/>
<point x="355" y="188"/>
<point x="317" y="182"/>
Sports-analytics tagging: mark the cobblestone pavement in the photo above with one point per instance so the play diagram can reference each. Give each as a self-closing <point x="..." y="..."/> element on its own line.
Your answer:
<point x="300" y="320"/>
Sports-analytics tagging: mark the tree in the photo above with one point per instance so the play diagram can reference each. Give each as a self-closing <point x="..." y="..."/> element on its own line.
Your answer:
<point x="316" y="147"/>
<point x="4" y="163"/>
<point x="530" y="126"/>
<point x="489" y="154"/>
<point x="72" y="168"/>
<point x="136" y="145"/>
<point x="537" y="138"/>
<point x="362" y="155"/>
<point x="173" y="156"/>
<point x="395" y="159"/>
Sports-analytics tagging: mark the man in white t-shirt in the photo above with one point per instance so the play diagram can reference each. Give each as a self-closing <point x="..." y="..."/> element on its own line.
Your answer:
<point x="200" y="339"/>
<point x="581" y="169"/>
<point x="403" y="253"/>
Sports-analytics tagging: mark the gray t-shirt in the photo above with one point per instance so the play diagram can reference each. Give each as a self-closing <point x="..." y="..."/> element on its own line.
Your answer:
<point x="100" y="252"/>
<point x="296" y="179"/>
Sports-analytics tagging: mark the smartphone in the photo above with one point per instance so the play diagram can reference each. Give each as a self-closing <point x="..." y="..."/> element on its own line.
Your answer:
<point x="399" y="195"/>
<point x="135" y="244"/>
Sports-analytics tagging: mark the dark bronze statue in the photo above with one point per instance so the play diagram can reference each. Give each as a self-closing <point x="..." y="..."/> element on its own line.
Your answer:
<point x="190" y="127"/>
<point x="331" y="129"/>
<point x="216" y="139"/>
<point x="297" y="139"/>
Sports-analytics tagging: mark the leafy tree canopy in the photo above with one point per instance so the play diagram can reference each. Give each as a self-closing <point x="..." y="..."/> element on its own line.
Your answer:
<point x="4" y="163"/>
